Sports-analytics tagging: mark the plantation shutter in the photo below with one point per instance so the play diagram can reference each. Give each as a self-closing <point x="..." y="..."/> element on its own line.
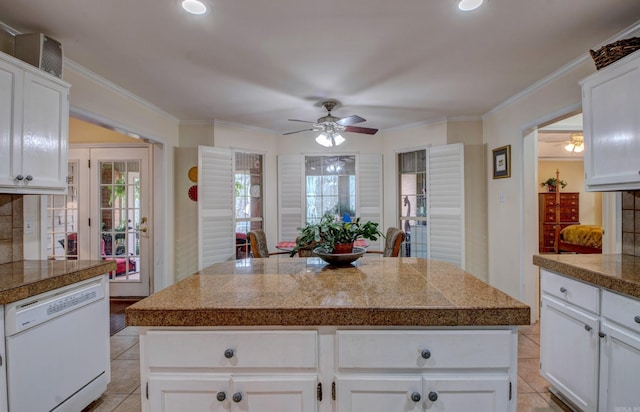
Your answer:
<point x="216" y="239"/>
<point x="290" y="196"/>
<point x="445" y="196"/>
<point x="369" y="177"/>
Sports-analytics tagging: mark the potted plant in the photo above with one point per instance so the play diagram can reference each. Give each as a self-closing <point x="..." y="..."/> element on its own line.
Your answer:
<point x="335" y="235"/>
<point x="551" y="184"/>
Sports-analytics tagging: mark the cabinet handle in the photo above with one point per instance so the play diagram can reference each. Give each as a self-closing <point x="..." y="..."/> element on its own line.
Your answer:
<point x="237" y="397"/>
<point x="19" y="178"/>
<point x="563" y="290"/>
<point x="28" y="178"/>
<point x="432" y="396"/>
<point x="602" y="334"/>
<point x="415" y="396"/>
<point x="587" y="328"/>
<point x="426" y="353"/>
<point x="637" y="318"/>
<point x="221" y="396"/>
<point x="229" y="353"/>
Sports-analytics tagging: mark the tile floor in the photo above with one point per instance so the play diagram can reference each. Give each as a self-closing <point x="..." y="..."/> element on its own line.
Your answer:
<point x="123" y="393"/>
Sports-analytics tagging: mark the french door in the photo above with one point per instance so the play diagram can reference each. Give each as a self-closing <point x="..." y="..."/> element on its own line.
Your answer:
<point x="106" y="215"/>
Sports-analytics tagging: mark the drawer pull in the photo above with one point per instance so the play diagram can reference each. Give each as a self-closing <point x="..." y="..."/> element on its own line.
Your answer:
<point x="637" y="318"/>
<point x="415" y="396"/>
<point x="433" y="396"/>
<point x="563" y="290"/>
<point x="587" y="328"/>
<point x="221" y="396"/>
<point x="229" y="353"/>
<point x="19" y="178"/>
<point x="426" y="353"/>
<point x="237" y="397"/>
<point x="28" y="178"/>
<point x="602" y="334"/>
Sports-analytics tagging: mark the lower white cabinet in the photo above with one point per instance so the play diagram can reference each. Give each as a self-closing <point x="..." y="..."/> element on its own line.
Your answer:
<point x="328" y="369"/>
<point x="420" y="393"/>
<point x="590" y="344"/>
<point x="180" y="392"/>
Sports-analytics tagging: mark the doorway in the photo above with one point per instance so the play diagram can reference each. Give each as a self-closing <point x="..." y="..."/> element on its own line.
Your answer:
<point x="106" y="214"/>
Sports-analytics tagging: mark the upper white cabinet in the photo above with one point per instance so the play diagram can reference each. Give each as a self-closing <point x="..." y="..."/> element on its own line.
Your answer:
<point x="611" y="108"/>
<point x="34" y="129"/>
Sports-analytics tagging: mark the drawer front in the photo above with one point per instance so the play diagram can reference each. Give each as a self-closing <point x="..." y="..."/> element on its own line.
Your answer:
<point x="231" y="349"/>
<point x="406" y="349"/>
<point x="621" y="310"/>
<point x="570" y="291"/>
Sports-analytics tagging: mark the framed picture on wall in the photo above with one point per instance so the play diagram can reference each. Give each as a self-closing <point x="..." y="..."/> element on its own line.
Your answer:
<point x="502" y="162"/>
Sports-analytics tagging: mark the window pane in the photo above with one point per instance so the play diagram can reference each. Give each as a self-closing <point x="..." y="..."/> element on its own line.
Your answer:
<point x="413" y="202"/>
<point x="330" y="186"/>
<point x="248" y="198"/>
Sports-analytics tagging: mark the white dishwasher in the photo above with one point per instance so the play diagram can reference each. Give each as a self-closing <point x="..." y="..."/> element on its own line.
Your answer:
<point x="57" y="348"/>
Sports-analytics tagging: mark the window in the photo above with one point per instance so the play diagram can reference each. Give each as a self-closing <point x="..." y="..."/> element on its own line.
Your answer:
<point x="413" y="201"/>
<point x="247" y="197"/>
<point x="62" y="220"/>
<point x="330" y="186"/>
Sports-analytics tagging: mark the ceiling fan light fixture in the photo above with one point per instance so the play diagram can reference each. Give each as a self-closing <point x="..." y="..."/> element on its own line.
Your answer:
<point x="576" y="143"/>
<point x="194" y="6"/>
<point x="324" y="140"/>
<point x="468" y="5"/>
<point x="338" y="139"/>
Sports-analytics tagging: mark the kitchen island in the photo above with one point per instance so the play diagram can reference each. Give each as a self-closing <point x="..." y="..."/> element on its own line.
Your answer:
<point x="294" y="334"/>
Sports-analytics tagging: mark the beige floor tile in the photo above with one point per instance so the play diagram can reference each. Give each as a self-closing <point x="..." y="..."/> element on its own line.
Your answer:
<point x="121" y="344"/>
<point x="530" y="329"/>
<point x="529" y="371"/>
<point x="131" y="353"/>
<point x="132" y="403"/>
<point x="527" y="348"/>
<point x="532" y="402"/>
<point x="129" y="331"/>
<point x="106" y="403"/>
<point x="535" y="337"/>
<point x="125" y="376"/>
<point x="524" y="387"/>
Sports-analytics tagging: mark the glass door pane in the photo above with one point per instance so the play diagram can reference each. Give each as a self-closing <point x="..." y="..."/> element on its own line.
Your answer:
<point x="413" y="202"/>
<point x="62" y="219"/>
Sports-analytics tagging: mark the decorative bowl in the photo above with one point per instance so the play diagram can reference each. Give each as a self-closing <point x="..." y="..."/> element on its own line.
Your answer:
<point x="339" y="259"/>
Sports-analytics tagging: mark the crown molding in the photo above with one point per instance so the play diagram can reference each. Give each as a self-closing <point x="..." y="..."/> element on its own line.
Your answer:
<point x="68" y="63"/>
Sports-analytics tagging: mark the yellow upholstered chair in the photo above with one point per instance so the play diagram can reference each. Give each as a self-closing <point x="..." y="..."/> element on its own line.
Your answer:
<point x="392" y="243"/>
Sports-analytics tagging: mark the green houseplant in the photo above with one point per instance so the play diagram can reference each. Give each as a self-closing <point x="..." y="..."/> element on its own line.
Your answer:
<point x="330" y="233"/>
<point x="552" y="182"/>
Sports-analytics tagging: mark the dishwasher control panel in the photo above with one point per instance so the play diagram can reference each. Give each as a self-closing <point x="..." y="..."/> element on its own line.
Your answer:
<point x="33" y="311"/>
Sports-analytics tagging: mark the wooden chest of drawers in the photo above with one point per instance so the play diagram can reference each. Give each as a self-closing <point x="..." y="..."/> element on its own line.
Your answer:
<point x="569" y="215"/>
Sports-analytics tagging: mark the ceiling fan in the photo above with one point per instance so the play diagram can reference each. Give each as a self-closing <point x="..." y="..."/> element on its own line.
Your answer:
<point x="330" y="126"/>
<point x="575" y="143"/>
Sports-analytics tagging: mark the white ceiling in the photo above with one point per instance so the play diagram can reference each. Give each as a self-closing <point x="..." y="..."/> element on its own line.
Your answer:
<point x="259" y="63"/>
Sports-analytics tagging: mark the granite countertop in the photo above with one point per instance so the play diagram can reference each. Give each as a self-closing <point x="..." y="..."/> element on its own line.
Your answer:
<point x="284" y="291"/>
<point x="19" y="280"/>
<point x="619" y="273"/>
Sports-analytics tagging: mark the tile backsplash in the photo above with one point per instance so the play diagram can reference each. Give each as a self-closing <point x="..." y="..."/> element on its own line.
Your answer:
<point x="631" y="223"/>
<point x="11" y="228"/>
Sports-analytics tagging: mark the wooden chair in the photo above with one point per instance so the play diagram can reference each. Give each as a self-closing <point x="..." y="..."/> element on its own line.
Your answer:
<point x="258" y="242"/>
<point x="392" y="243"/>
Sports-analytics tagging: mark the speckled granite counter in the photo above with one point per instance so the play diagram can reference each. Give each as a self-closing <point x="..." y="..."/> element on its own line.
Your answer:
<point x="286" y="291"/>
<point x="619" y="273"/>
<point x="19" y="280"/>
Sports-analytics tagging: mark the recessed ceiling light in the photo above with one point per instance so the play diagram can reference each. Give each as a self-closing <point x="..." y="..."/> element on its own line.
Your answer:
<point x="468" y="5"/>
<point x="194" y="6"/>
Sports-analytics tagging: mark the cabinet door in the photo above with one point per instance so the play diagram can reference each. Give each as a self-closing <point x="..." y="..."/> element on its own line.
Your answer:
<point x="10" y="122"/>
<point x="611" y="126"/>
<point x="45" y="133"/>
<point x="188" y="393"/>
<point x="270" y="393"/>
<point x="569" y="351"/>
<point x="379" y="393"/>
<point x="479" y="394"/>
<point x="619" y="366"/>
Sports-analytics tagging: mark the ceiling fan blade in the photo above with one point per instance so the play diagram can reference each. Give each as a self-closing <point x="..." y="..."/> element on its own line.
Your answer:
<point x="346" y="121"/>
<point x="297" y="131"/>
<point x="357" y="129"/>
<point x="303" y="121"/>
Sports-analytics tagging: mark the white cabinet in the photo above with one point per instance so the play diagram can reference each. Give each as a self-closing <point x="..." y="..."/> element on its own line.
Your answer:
<point x="34" y="118"/>
<point x="435" y="370"/>
<point x="619" y="353"/>
<point x="611" y="109"/>
<point x="328" y="369"/>
<point x="205" y="370"/>
<point x="589" y="344"/>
